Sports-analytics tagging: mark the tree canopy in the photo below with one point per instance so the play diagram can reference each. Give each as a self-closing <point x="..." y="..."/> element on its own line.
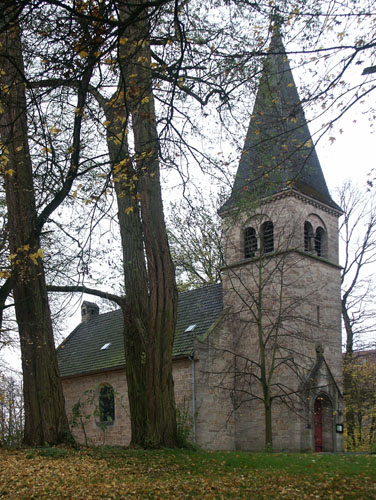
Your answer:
<point x="105" y="103"/>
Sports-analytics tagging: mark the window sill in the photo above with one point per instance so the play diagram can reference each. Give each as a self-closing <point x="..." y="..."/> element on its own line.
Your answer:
<point x="106" y="423"/>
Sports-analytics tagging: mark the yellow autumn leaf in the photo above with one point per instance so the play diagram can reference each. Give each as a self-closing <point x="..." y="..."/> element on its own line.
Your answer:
<point x="123" y="41"/>
<point x="9" y="172"/>
<point x="145" y="100"/>
<point x="4" y="160"/>
<point x="129" y="210"/>
<point x="74" y="194"/>
<point x="83" y="54"/>
<point x="106" y="123"/>
<point x="5" y="274"/>
<point x="54" y="130"/>
<point x="20" y="148"/>
<point x="38" y="253"/>
<point x="290" y="85"/>
<point x="181" y="82"/>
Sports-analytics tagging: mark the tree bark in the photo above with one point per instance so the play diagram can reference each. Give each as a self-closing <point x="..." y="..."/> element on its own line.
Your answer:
<point x="45" y="419"/>
<point x="347" y="374"/>
<point x="265" y="376"/>
<point x="151" y="296"/>
<point x="268" y="424"/>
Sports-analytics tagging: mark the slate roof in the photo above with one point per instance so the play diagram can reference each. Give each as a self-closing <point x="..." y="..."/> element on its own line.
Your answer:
<point x="81" y="352"/>
<point x="278" y="153"/>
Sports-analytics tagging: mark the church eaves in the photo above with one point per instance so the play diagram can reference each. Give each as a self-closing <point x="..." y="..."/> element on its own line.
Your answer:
<point x="279" y="154"/>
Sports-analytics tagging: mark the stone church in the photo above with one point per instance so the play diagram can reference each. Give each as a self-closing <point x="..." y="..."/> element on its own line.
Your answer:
<point x="257" y="358"/>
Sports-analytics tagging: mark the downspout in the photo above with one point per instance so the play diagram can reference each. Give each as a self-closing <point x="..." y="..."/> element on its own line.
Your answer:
<point x="192" y="359"/>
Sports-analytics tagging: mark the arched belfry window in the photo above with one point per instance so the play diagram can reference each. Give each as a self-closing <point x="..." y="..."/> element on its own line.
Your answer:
<point x="106" y="404"/>
<point x="320" y="242"/>
<point x="250" y="242"/>
<point x="308" y="237"/>
<point x="267" y="237"/>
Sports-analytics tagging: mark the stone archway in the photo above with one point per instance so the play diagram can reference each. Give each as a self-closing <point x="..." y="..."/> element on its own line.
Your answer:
<point x="323" y="423"/>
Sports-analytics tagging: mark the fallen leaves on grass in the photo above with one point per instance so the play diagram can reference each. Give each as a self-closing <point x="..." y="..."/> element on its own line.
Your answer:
<point x="120" y="474"/>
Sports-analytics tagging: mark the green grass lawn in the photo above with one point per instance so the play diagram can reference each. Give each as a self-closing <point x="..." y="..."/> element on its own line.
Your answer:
<point x="117" y="473"/>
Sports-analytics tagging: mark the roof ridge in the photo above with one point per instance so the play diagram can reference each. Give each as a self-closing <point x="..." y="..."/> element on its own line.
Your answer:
<point x="200" y="288"/>
<point x="107" y="312"/>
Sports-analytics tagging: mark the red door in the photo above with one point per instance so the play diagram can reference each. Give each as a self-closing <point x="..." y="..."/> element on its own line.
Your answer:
<point x="318" y="424"/>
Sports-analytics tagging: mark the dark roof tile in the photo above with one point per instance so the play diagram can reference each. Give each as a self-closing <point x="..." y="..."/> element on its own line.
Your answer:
<point x="81" y="352"/>
<point x="278" y="152"/>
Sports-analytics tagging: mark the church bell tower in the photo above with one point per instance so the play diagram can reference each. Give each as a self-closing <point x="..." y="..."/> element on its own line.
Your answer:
<point x="282" y="278"/>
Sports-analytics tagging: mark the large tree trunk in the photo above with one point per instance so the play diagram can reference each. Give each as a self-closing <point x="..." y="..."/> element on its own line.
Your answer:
<point x="347" y="375"/>
<point x="45" y="419"/>
<point x="151" y="295"/>
<point x="268" y="424"/>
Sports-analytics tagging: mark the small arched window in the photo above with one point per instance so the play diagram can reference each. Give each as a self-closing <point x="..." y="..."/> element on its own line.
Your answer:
<point x="267" y="237"/>
<point x="308" y="237"/>
<point x="320" y="242"/>
<point x="250" y="242"/>
<point x="106" y="404"/>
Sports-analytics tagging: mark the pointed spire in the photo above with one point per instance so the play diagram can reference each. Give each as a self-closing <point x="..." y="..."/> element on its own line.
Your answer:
<point x="278" y="152"/>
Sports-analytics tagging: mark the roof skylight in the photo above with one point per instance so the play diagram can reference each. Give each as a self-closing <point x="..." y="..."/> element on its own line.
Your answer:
<point x="105" y="346"/>
<point x="190" y="328"/>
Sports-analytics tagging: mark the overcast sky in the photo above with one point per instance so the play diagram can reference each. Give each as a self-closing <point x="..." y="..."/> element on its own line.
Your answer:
<point x="350" y="155"/>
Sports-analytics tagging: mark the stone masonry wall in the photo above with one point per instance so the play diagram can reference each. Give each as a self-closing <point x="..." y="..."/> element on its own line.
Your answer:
<point x="309" y="306"/>
<point x="85" y="389"/>
<point x="214" y="389"/>
<point x="288" y="213"/>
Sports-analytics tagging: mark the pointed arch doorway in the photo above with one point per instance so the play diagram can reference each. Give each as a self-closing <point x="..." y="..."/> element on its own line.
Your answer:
<point x="323" y="423"/>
